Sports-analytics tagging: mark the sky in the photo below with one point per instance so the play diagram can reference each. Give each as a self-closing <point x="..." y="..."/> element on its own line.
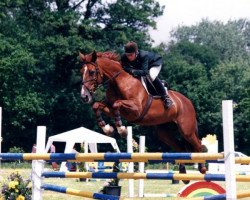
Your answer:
<point x="191" y="12"/>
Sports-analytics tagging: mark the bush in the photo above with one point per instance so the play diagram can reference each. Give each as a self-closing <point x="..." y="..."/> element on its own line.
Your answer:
<point x="16" y="150"/>
<point x="15" y="188"/>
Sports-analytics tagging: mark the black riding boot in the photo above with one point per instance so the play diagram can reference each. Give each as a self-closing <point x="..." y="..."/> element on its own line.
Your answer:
<point x="162" y="92"/>
<point x="167" y="101"/>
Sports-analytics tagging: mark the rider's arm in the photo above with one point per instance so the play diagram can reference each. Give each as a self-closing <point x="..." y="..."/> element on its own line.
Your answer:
<point x="144" y="71"/>
<point x="125" y="64"/>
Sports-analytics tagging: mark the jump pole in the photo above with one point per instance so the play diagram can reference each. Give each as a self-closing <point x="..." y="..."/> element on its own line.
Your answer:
<point x="131" y="164"/>
<point x="228" y="137"/>
<point x="141" y="166"/>
<point x="38" y="165"/>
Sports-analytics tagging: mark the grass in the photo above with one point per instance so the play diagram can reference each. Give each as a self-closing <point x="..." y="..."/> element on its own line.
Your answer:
<point x="151" y="186"/>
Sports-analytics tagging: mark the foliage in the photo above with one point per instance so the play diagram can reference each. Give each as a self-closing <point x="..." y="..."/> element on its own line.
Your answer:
<point x="227" y="40"/>
<point x="16" y="150"/>
<point x="209" y="62"/>
<point x="16" y="188"/>
<point x="81" y="165"/>
<point x="39" y="69"/>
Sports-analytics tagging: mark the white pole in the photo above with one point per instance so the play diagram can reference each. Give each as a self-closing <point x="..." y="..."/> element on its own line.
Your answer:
<point x="228" y="136"/>
<point x="86" y="150"/>
<point x="1" y="139"/>
<point x="141" y="167"/>
<point x="131" y="164"/>
<point x="38" y="165"/>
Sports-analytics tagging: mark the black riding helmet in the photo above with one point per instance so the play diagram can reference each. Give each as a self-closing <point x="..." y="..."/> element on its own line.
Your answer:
<point x="131" y="47"/>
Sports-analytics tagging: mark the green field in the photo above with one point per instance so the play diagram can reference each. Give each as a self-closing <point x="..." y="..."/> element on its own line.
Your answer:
<point x="151" y="186"/>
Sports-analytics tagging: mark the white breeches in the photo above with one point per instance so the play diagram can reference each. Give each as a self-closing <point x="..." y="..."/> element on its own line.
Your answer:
<point x="154" y="71"/>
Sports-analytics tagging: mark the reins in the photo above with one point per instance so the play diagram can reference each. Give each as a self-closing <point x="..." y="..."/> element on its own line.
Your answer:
<point x="111" y="79"/>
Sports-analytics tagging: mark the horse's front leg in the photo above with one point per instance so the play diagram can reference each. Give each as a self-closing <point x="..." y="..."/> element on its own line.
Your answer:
<point x="130" y="106"/>
<point x="98" y="108"/>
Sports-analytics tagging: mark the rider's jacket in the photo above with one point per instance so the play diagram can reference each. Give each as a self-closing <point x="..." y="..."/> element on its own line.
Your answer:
<point x="143" y="62"/>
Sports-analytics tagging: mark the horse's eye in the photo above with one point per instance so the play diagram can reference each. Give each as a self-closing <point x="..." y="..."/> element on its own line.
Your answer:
<point x="91" y="73"/>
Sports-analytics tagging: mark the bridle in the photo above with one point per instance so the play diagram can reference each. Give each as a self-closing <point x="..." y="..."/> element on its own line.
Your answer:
<point x="95" y="78"/>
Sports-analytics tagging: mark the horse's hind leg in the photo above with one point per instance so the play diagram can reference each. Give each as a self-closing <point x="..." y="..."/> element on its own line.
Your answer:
<point x="168" y="137"/>
<point x="188" y="130"/>
<point x="189" y="133"/>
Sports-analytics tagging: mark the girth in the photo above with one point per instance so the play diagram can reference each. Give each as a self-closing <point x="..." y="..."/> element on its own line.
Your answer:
<point x="145" y="110"/>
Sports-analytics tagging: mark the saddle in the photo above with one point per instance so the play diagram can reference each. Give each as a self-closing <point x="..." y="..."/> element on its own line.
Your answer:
<point x="149" y="87"/>
<point x="152" y="94"/>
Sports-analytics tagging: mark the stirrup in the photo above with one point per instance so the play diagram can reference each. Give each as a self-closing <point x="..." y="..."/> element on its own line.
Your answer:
<point x="167" y="102"/>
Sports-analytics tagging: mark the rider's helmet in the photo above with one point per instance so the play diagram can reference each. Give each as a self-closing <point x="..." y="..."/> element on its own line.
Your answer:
<point x="131" y="47"/>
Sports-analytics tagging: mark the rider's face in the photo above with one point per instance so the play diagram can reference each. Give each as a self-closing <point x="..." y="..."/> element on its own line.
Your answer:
<point x="131" y="56"/>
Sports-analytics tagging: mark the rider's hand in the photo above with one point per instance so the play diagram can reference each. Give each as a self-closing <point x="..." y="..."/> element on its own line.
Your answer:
<point x="128" y="70"/>
<point x="133" y="73"/>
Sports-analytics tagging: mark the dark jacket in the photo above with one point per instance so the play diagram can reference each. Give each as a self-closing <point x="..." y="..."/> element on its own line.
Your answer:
<point x="143" y="62"/>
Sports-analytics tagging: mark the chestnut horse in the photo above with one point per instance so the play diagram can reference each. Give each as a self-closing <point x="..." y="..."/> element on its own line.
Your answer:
<point x="126" y="97"/>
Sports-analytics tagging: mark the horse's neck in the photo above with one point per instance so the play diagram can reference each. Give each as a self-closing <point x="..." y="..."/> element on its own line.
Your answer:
<point x="121" y="82"/>
<point x="111" y="69"/>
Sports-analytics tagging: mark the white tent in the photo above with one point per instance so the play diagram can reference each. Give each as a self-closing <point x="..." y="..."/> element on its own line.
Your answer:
<point x="81" y="135"/>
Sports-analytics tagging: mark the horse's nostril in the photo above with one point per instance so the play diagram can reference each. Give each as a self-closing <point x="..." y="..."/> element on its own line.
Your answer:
<point x="85" y="98"/>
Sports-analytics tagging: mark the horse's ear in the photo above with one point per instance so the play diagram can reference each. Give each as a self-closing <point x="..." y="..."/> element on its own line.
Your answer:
<point x="94" y="56"/>
<point x="82" y="57"/>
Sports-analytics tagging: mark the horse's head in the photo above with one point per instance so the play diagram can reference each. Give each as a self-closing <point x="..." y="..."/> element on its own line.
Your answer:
<point x="91" y="76"/>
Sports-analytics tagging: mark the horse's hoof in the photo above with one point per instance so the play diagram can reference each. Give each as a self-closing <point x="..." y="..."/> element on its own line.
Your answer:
<point x="204" y="148"/>
<point x="122" y="131"/>
<point x="108" y="130"/>
<point x="182" y="170"/>
<point x="202" y="168"/>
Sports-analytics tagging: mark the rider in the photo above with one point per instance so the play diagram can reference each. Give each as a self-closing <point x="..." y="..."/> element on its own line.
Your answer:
<point x="142" y="63"/>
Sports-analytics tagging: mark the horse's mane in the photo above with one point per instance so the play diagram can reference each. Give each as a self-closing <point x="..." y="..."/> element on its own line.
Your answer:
<point x="109" y="54"/>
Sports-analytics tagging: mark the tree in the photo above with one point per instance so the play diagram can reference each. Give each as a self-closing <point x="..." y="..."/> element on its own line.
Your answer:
<point x="223" y="51"/>
<point x="228" y="40"/>
<point x="40" y="41"/>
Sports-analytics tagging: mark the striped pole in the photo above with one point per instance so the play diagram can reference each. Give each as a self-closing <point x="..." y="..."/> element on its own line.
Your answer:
<point x="162" y="176"/>
<point x="125" y="157"/>
<point x="121" y="157"/>
<point x="80" y="193"/>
